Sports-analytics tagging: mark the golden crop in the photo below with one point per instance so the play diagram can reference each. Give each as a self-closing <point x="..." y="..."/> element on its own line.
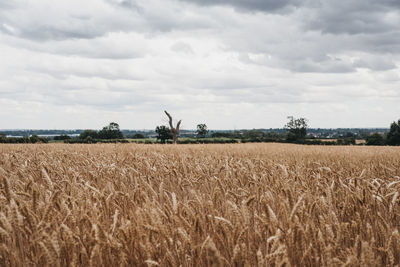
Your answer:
<point x="199" y="205"/>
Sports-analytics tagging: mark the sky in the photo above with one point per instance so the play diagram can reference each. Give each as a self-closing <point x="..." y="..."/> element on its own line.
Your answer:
<point x="232" y="64"/>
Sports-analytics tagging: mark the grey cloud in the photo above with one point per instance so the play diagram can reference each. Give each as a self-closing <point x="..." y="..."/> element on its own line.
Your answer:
<point x="114" y="46"/>
<point x="181" y="47"/>
<point x="7" y="5"/>
<point x="51" y="33"/>
<point x="354" y="16"/>
<point x="394" y="3"/>
<point x="303" y="63"/>
<point x="131" y="4"/>
<point x="110" y="47"/>
<point x="383" y="43"/>
<point x="99" y="69"/>
<point x="298" y="49"/>
<point x="65" y="22"/>
<point x="375" y="63"/>
<point x="64" y="28"/>
<point x="46" y="20"/>
<point x="5" y="28"/>
<point x="69" y="91"/>
<point x="253" y="5"/>
<point x="322" y="67"/>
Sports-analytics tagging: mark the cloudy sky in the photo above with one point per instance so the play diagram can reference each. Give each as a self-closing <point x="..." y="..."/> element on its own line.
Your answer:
<point x="231" y="64"/>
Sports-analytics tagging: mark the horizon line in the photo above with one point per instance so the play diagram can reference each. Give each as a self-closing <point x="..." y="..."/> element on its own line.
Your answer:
<point x="78" y="129"/>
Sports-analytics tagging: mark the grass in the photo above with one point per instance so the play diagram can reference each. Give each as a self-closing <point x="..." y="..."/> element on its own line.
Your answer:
<point x="199" y="205"/>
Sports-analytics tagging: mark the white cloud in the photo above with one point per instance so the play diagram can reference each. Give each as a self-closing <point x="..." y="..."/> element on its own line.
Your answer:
<point x="227" y="63"/>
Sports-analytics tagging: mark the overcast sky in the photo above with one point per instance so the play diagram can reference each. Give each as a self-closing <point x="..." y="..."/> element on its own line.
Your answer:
<point x="231" y="64"/>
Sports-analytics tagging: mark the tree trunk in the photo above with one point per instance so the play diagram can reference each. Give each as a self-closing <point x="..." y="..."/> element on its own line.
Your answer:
<point x="174" y="130"/>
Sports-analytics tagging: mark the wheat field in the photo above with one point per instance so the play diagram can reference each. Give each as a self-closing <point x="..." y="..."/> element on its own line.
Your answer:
<point x="199" y="205"/>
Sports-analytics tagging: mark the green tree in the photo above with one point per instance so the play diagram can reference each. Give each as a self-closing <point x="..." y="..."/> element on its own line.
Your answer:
<point x="253" y="135"/>
<point x="163" y="133"/>
<point x="111" y="131"/>
<point x="37" y="139"/>
<point x="34" y="138"/>
<point x="222" y="134"/>
<point x="202" y="130"/>
<point x="62" y="137"/>
<point x="89" y="133"/>
<point x="3" y="137"/>
<point x="375" y="140"/>
<point x="272" y="137"/>
<point x="138" y="136"/>
<point x="393" y="136"/>
<point x="297" y="128"/>
<point x="346" y="141"/>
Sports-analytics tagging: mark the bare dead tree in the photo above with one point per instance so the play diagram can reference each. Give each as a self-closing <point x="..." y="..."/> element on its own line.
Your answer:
<point x="174" y="130"/>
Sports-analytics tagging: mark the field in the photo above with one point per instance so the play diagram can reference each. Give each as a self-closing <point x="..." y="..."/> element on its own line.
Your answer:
<point x="199" y="205"/>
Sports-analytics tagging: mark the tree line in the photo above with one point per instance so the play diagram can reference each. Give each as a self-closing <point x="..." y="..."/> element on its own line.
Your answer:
<point x="295" y="132"/>
<point x="392" y="138"/>
<point x="33" y="139"/>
